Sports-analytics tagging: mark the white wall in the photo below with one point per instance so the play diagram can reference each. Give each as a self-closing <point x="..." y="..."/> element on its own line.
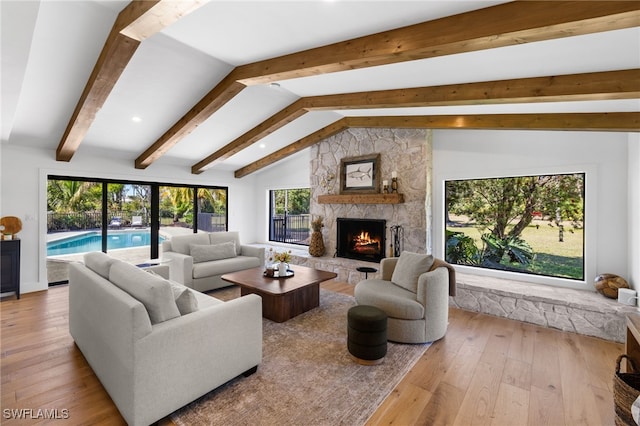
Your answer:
<point x="23" y="194"/>
<point x="634" y="210"/>
<point x="469" y="153"/>
<point x="613" y="158"/>
<point x="290" y="173"/>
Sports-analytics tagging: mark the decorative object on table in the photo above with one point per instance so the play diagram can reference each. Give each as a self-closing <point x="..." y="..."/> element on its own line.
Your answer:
<point x="385" y="186"/>
<point x="626" y="390"/>
<point x="360" y="175"/>
<point x="270" y="271"/>
<point x="11" y="225"/>
<point x="283" y="257"/>
<point x="282" y="269"/>
<point x="608" y="285"/>
<point x="316" y="245"/>
<point x="394" y="182"/>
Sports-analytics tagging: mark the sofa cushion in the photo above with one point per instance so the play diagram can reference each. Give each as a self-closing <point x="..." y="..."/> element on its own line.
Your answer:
<point x="184" y="297"/>
<point x="152" y="291"/>
<point x="223" y="237"/>
<point x="224" y="266"/>
<point x="395" y="301"/>
<point x="99" y="262"/>
<point x="409" y="268"/>
<point x="182" y="243"/>
<point x="208" y="252"/>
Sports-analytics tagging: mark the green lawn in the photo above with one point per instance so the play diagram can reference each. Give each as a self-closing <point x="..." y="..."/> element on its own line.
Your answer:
<point x="552" y="257"/>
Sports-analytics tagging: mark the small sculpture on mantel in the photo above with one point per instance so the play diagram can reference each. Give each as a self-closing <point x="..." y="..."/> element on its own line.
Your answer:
<point x="316" y="245"/>
<point x="327" y="181"/>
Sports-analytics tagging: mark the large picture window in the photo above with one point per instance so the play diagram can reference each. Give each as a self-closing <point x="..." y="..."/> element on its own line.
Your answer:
<point x="527" y="224"/>
<point x="289" y="216"/>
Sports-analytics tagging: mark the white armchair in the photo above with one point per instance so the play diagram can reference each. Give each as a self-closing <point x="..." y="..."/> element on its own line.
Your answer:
<point x="414" y="292"/>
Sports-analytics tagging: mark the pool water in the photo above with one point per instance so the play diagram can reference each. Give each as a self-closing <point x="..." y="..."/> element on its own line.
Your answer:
<point x="92" y="241"/>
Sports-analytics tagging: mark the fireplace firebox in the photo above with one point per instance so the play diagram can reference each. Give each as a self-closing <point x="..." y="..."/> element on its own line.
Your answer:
<point x="361" y="239"/>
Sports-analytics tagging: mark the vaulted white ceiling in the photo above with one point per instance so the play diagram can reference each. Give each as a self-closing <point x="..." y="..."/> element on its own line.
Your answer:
<point x="49" y="49"/>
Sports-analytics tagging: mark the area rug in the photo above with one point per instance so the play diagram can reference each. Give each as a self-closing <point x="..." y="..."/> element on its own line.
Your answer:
<point x="307" y="376"/>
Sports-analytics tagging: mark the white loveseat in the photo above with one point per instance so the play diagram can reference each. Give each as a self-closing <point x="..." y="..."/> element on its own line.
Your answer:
<point x="164" y="347"/>
<point x="199" y="260"/>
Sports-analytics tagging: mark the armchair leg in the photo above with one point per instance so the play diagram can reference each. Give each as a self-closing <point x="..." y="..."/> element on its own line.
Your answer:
<point x="250" y="371"/>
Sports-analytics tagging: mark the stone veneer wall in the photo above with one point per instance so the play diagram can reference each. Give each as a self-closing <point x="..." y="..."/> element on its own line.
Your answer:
<point x="579" y="311"/>
<point x="403" y="150"/>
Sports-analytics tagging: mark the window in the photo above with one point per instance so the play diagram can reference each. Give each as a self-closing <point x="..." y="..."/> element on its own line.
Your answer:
<point x="526" y="224"/>
<point x="289" y="216"/>
<point x="127" y="219"/>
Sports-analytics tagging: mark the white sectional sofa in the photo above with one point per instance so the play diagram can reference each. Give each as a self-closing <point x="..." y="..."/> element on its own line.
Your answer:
<point x="157" y="345"/>
<point x="199" y="260"/>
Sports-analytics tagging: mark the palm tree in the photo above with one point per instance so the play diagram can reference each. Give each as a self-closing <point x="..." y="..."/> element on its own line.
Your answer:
<point x="66" y="196"/>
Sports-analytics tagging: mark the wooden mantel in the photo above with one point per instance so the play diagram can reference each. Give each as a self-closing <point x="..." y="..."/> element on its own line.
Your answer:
<point x="361" y="199"/>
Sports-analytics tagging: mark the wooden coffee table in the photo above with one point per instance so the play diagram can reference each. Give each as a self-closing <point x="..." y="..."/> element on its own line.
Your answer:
<point x="282" y="298"/>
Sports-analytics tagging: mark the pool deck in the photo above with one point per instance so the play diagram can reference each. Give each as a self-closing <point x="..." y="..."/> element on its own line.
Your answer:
<point x="57" y="266"/>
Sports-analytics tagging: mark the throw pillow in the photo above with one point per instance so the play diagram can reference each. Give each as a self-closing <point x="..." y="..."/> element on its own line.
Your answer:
<point x="152" y="291"/>
<point x="409" y="268"/>
<point x="207" y="252"/>
<point x="184" y="297"/>
<point x="223" y="237"/>
<point x="182" y="243"/>
<point x="99" y="262"/>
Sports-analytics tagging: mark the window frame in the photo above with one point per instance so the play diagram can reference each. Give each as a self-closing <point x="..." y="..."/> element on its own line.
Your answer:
<point x="154" y="224"/>
<point x="270" y="218"/>
<point x="438" y="239"/>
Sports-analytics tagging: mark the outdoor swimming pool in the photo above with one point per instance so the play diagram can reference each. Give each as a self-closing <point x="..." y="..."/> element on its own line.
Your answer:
<point x="92" y="241"/>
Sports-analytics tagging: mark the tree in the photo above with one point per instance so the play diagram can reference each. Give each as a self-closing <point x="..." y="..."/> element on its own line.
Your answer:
<point x="504" y="207"/>
<point x="66" y="196"/>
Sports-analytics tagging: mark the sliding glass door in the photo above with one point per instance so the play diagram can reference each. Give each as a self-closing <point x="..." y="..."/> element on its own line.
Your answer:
<point x="129" y="220"/>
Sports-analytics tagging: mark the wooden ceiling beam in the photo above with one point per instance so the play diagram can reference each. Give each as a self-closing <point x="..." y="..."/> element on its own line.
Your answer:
<point x="610" y="122"/>
<point x="624" y="84"/>
<point x="502" y="25"/>
<point x="215" y="99"/>
<point x="591" y="121"/>
<point x="297" y="146"/>
<point x="139" y="20"/>
<point x="278" y="120"/>
<point x="498" y="26"/>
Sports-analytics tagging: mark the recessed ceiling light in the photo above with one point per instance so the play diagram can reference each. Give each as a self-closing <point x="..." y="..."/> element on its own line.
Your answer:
<point x="274" y="85"/>
<point x="136" y="119"/>
<point x="263" y="146"/>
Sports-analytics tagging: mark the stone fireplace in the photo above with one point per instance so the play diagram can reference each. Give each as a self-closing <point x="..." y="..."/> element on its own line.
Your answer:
<point x="361" y="239"/>
<point x="405" y="151"/>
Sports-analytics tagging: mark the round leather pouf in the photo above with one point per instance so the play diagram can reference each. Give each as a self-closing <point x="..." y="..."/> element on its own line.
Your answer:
<point x="367" y="334"/>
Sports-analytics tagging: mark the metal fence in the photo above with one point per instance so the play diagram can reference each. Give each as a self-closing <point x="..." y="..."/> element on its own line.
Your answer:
<point x="78" y="221"/>
<point x="294" y="229"/>
<point x="212" y="222"/>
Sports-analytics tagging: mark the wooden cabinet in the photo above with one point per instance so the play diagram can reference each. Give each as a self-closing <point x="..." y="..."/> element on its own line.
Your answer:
<point x="632" y="345"/>
<point x="10" y="266"/>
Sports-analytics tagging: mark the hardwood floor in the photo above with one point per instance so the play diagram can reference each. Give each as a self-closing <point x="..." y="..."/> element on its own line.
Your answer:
<point x="486" y="370"/>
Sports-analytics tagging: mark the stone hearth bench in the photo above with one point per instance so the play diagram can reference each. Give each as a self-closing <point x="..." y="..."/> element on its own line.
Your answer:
<point x="579" y="311"/>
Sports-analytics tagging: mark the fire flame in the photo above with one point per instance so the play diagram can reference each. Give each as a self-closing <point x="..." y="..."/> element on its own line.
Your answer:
<point x="364" y="241"/>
